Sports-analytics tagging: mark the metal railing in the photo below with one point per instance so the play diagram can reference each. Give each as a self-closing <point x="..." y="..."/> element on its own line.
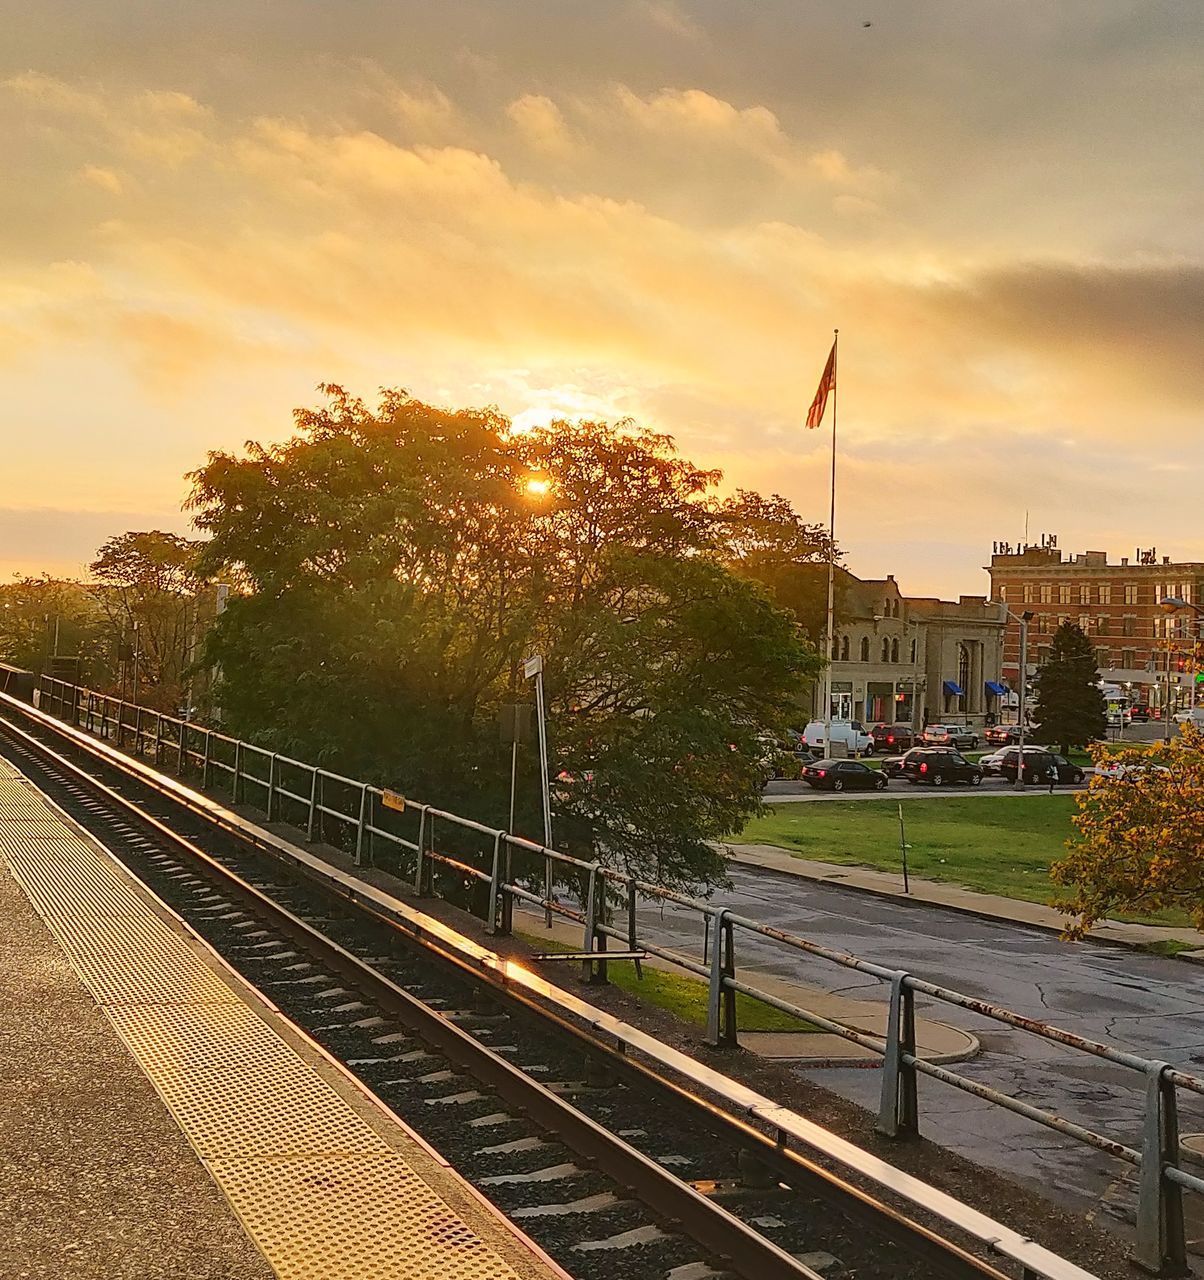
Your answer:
<point x="368" y="822"/>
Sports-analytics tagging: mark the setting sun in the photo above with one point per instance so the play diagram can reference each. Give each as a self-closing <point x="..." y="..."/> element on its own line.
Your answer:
<point x="538" y="486"/>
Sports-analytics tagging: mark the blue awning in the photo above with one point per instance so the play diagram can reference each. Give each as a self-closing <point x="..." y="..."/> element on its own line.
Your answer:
<point x="952" y="687"/>
<point x="999" y="690"/>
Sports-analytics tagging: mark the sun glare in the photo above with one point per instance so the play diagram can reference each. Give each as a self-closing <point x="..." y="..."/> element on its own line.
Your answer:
<point x="538" y="486"/>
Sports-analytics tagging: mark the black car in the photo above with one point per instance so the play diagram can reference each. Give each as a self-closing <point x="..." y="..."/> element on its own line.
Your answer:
<point x="1040" y="767"/>
<point x="1002" y="735"/>
<point x="843" y="775"/>
<point x="939" y="765"/>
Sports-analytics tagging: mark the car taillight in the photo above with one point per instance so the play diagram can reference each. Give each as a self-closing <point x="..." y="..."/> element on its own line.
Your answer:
<point x="923" y="768"/>
<point x="889" y="741"/>
<point x="823" y="773"/>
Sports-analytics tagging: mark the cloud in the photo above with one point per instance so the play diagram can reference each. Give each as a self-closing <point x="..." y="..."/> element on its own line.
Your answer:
<point x="540" y="121"/>
<point x="106" y="179"/>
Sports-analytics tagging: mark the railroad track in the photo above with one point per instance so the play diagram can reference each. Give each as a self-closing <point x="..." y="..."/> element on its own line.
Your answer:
<point x="614" y="1170"/>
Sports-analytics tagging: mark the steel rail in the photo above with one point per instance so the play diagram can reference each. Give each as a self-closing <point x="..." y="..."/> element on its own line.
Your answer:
<point x="1036" y="1260"/>
<point x="742" y="1250"/>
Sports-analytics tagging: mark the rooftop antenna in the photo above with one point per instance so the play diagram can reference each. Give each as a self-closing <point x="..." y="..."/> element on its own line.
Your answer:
<point x="1026" y="526"/>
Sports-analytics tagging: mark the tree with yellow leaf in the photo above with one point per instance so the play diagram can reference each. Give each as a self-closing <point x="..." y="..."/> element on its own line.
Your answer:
<point x="1139" y="845"/>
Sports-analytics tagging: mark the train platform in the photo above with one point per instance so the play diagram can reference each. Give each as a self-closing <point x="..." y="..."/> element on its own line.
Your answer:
<point x="161" y="1119"/>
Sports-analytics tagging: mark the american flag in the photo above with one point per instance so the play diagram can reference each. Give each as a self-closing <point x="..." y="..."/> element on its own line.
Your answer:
<point x="826" y="384"/>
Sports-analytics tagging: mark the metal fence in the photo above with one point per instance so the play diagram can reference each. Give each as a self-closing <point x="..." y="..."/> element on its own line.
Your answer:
<point x="435" y="849"/>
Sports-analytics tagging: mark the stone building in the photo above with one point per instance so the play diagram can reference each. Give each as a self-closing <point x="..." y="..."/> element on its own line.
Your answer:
<point x="913" y="659"/>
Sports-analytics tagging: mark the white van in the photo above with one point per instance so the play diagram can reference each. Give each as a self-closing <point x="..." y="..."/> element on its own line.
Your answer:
<point x="850" y="732"/>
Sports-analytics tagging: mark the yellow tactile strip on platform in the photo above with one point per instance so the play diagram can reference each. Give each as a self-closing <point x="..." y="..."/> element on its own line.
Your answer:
<point x="321" y="1192"/>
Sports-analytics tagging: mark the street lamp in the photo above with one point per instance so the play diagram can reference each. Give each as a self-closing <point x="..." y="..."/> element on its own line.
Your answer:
<point x="1170" y="605"/>
<point x="1021" y="710"/>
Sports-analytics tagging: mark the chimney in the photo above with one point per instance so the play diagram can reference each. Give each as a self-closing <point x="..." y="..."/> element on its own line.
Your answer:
<point x="1166" y="559"/>
<point x="1124" y="560"/>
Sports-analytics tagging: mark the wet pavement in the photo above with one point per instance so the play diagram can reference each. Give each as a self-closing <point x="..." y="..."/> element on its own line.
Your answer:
<point x="1149" y="1005"/>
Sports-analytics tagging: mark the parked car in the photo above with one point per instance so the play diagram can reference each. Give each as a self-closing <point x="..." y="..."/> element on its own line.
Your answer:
<point x="1002" y="735"/>
<point x="1114" y="769"/>
<point x="892" y="766"/>
<point x="851" y="732"/>
<point x="989" y="764"/>
<point x="1193" y="716"/>
<point x="939" y="765"/>
<point x="1139" y="714"/>
<point x="893" y="737"/>
<point x="951" y="735"/>
<point x="843" y="775"/>
<point x="1040" y="766"/>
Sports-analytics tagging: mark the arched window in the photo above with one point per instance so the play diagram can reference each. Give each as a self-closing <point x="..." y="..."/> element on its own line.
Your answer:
<point x="865" y="648"/>
<point x="844" y="648"/>
<point x="885" y="649"/>
<point x="835" y="648"/>
<point x="963" y="665"/>
<point x="894" y="649"/>
<point x="914" y="652"/>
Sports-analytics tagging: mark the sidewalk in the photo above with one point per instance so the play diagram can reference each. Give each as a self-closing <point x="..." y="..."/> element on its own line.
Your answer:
<point x="935" y="1041"/>
<point x="952" y="897"/>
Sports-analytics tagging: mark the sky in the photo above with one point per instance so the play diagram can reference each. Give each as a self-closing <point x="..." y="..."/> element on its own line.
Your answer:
<point x="653" y="209"/>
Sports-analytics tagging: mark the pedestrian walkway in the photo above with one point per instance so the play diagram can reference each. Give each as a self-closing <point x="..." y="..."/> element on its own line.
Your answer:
<point x="936" y="893"/>
<point x="253" y="1123"/>
<point x="935" y="1041"/>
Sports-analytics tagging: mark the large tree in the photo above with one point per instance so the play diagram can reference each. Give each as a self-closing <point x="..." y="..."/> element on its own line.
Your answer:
<point x="1140" y="835"/>
<point x="42" y="616"/>
<point x="1070" y="703"/>
<point x="397" y="563"/>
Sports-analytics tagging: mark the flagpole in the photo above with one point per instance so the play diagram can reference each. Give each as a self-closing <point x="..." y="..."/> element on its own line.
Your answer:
<point x="830" y="624"/>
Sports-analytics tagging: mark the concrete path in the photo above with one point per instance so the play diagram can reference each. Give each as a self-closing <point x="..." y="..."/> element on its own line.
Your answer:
<point x="1148" y="1004"/>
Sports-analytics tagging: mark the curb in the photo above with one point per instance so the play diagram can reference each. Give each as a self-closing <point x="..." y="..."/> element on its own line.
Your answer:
<point x="972" y="1050"/>
<point x="906" y="900"/>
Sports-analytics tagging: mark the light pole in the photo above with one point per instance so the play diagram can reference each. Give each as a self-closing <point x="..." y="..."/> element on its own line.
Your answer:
<point x="1170" y="605"/>
<point x="1021" y="709"/>
<point x="533" y="670"/>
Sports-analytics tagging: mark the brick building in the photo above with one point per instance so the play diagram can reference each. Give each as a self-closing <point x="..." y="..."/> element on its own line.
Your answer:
<point x="1117" y="605"/>
<point x="912" y="658"/>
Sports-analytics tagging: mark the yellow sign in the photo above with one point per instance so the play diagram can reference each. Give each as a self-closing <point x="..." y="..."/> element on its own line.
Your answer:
<point x="393" y="800"/>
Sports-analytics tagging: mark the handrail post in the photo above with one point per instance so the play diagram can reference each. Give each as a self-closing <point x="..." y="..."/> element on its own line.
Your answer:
<point x="721" y="999"/>
<point x="359" y="827"/>
<point x="182" y="748"/>
<point x="206" y="754"/>
<point x="237" y="770"/>
<point x="1161" y="1240"/>
<point x="420" y="869"/>
<point x="631" y="938"/>
<point x="495" y="884"/>
<point x="591" y="923"/>
<point x="271" y="786"/>
<point x="158" y="739"/>
<point x="313" y="804"/>
<point x="898" y="1110"/>
<point x="137" y="730"/>
<point x="507" y="920"/>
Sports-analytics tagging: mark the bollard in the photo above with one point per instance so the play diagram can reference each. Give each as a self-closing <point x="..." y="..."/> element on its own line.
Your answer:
<point x="1161" y="1240"/>
<point x="898" y="1110"/>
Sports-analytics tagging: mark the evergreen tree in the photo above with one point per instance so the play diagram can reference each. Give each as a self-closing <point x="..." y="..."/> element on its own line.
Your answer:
<point x="1070" y="704"/>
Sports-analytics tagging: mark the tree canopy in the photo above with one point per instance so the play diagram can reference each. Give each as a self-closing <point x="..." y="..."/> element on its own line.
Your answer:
<point x="396" y="564"/>
<point x="1070" y="703"/>
<point x="1140" y="835"/>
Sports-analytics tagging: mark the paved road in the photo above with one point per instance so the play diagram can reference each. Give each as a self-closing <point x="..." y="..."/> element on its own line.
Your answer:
<point x="1148" y="1004"/>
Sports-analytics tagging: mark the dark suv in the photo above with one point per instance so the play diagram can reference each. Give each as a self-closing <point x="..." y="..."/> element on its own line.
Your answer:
<point x="893" y="737"/>
<point x="939" y="765"/>
<point x="1040" y="766"/>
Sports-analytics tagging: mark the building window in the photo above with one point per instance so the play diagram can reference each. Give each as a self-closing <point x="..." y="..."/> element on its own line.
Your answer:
<point x="894" y="649"/>
<point x="844" y="648"/>
<point x="1129" y="625"/>
<point x="1130" y="593"/>
<point x="865" y="648"/>
<point x="1101" y="658"/>
<point x="1028" y="593"/>
<point x="1105" y="593"/>
<point x="1101" y="625"/>
<point x="1063" y="592"/>
<point x="1042" y="654"/>
<point x="1128" y="659"/>
<point x="914" y="652"/>
<point x="1084" y="594"/>
<point x="1047" y="593"/>
<point x="885" y="649"/>
<point x="1084" y="621"/>
<point x="1003" y="594"/>
<point x="963" y="665"/>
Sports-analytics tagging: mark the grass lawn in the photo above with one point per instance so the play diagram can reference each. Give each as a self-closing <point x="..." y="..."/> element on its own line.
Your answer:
<point x="681" y="994"/>
<point x="989" y="843"/>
